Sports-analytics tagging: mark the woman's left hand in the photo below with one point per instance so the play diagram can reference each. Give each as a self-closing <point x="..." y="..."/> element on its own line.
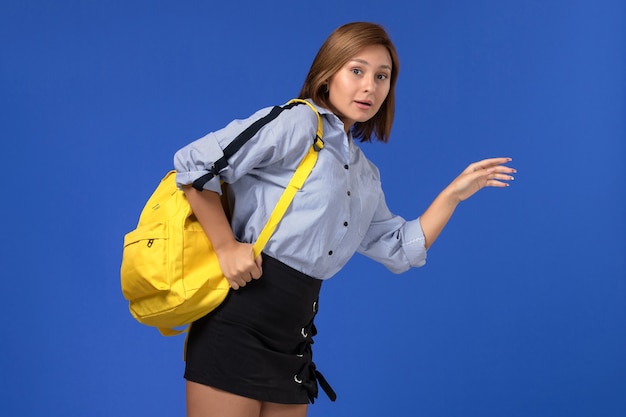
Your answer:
<point x="486" y="173"/>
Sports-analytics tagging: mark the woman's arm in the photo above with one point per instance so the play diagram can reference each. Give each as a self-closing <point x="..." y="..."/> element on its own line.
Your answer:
<point x="236" y="259"/>
<point x="485" y="173"/>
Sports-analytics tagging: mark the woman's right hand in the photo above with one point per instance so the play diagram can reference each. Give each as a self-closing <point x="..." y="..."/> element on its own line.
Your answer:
<point x="236" y="259"/>
<point x="238" y="264"/>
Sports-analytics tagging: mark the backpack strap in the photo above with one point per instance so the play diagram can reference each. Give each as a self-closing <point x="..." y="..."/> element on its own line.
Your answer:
<point x="296" y="182"/>
<point x="245" y="136"/>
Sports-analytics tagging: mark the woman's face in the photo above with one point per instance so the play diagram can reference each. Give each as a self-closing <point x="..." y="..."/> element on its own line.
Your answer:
<point x="360" y="87"/>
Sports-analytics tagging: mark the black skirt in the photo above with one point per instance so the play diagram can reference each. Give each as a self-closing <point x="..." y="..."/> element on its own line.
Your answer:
<point x="257" y="344"/>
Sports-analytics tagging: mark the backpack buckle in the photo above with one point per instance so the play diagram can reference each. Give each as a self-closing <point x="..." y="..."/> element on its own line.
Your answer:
<point x="318" y="144"/>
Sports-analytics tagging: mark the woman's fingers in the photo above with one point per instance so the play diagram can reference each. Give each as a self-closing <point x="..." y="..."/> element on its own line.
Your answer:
<point x="243" y="279"/>
<point x="259" y="264"/>
<point x="240" y="281"/>
<point x="499" y="174"/>
<point x="239" y="265"/>
<point x="491" y="162"/>
<point x="486" y="173"/>
<point x="485" y="164"/>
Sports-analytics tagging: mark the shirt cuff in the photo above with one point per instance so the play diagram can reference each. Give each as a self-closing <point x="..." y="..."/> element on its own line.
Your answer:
<point x="414" y="245"/>
<point x="192" y="161"/>
<point x="186" y="178"/>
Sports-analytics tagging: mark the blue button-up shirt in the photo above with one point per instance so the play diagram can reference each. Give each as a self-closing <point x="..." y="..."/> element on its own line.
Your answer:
<point x="340" y="210"/>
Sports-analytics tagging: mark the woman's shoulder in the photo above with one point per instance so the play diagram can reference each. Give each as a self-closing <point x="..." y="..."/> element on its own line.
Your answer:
<point x="297" y="122"/>
<point x="300" y="114"/>
<point x="277" y="119"/>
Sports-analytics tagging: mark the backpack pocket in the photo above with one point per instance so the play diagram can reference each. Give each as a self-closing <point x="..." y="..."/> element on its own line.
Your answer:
<point x="144" y="270"/>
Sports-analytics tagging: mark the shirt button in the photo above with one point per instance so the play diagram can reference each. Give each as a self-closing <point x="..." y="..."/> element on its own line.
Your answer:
<point x="345" y="224"/>
<point x="330" y="253"/>
<point x="346" y="166"/>
<point x="348" y="193"/>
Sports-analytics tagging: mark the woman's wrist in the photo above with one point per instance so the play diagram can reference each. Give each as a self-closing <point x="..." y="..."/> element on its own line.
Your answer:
<point x="450" y="197"/>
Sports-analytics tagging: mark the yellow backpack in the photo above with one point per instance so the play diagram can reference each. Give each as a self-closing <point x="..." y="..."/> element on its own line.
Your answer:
<point x="170" y="274"/>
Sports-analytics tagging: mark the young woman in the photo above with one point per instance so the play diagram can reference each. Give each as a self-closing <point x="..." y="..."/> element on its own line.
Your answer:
<point x="252" y="356"/>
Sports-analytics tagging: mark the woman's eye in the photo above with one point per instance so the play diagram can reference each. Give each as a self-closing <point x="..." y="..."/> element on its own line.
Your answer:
<point x="382" y="76"/>
<point x="356" y="71"/>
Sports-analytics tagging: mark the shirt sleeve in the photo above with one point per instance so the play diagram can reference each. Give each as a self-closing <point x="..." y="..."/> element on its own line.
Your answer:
<point x="272" y="143"/>
<point x="393" y="241"/>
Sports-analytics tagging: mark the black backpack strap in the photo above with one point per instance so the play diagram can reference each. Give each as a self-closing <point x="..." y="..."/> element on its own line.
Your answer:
<point x="238" y="142"/>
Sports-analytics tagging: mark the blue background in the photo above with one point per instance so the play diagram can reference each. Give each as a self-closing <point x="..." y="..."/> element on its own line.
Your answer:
<point x="521" y="308"/>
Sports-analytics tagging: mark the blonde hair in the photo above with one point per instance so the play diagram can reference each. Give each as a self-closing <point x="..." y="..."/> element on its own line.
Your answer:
<point x="343" y="44"/>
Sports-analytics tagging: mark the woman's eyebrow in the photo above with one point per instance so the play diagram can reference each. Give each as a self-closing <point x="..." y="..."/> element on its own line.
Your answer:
<point x="364" y="62"/>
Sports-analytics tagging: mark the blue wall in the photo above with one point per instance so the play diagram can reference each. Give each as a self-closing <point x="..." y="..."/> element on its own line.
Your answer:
<point x="521" y="309"/>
